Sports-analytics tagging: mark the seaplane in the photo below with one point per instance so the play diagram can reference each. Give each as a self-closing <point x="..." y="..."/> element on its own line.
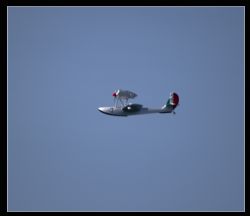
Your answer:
<point x="123" y="108"/>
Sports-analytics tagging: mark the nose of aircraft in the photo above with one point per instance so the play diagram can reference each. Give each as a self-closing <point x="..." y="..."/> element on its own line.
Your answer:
<point x="101" y="109"/>
<point x="106" y="110"/>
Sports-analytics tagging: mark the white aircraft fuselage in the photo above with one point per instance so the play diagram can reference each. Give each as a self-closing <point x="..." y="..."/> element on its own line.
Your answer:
<point x="119" y="111"/>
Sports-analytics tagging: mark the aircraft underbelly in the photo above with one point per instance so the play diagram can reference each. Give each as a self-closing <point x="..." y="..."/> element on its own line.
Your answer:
<point x="117" y="111"/>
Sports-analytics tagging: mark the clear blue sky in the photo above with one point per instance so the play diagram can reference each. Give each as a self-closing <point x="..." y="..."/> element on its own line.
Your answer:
<point x="65" y="62"/>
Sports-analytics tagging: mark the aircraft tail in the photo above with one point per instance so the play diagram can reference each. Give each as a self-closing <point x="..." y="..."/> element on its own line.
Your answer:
<point x="171" y="104"/>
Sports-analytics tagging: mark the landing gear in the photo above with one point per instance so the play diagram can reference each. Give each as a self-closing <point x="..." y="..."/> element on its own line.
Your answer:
<point x="174" y="112"/>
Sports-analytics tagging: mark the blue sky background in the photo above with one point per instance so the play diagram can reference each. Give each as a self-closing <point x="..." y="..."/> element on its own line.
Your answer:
<point x="65" y="62"/>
